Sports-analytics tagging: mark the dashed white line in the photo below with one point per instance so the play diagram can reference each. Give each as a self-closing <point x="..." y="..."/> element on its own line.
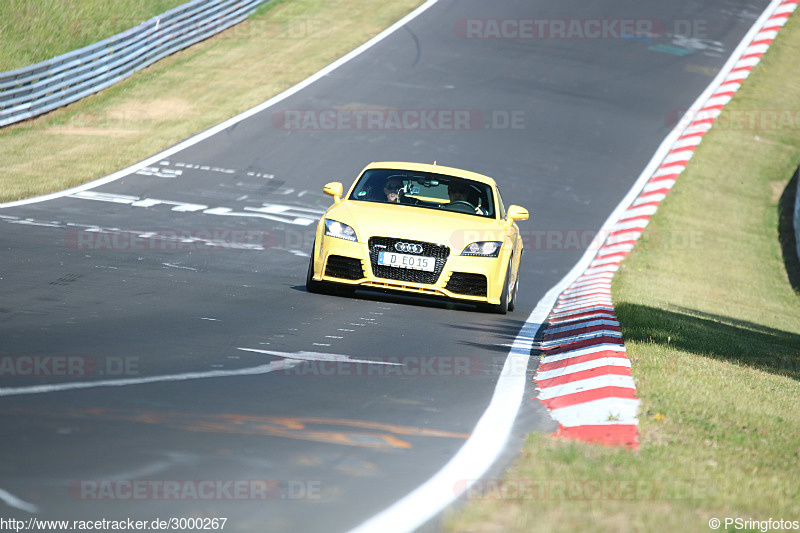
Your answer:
<point x="31" y="222"/>
<point x="170" y="265"/>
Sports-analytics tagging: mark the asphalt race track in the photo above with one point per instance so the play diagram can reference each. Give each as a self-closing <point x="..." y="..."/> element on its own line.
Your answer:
<point x="156" y="329"/>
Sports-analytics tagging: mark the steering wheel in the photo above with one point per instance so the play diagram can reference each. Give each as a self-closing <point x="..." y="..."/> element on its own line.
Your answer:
<point x="461" y="205"/>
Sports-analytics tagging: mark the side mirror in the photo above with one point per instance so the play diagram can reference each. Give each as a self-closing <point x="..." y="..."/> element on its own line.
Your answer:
<point x="516" y="212"/>
<point x="334" y="189"/>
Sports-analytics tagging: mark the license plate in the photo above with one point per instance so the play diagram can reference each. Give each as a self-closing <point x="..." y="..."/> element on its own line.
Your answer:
<point x="414" y="262"/>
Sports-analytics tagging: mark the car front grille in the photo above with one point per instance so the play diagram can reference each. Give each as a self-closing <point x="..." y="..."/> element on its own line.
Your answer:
<point x="344" y="267"/>
<point x="386" y="244"/>
<point x="467" y="284"/>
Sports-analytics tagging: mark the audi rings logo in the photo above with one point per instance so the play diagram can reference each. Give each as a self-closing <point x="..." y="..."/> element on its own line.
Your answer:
<point x="409" y="248"/>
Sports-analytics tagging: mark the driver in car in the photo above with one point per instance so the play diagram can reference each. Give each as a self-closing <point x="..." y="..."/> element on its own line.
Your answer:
<point x="458" y="192"/>
<point x="392" y="190"/>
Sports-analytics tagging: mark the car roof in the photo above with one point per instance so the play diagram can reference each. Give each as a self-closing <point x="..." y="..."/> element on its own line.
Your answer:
<point x="437" y="169"/>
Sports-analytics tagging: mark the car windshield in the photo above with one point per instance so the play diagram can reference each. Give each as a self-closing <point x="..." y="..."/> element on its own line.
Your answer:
<point x="425" y="189"/>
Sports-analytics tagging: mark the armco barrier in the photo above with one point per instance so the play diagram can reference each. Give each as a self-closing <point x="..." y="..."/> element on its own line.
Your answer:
<point x="36" y="89"/>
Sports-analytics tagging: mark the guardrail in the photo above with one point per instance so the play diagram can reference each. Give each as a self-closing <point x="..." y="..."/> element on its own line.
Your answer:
<point x="36" y="89"/>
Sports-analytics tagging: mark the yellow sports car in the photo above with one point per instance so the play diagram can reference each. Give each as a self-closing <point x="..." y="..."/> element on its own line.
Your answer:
<point x="423" y="229"/>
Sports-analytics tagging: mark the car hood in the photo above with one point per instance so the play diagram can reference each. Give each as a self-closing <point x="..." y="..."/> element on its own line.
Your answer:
<point x="416" y="223"/>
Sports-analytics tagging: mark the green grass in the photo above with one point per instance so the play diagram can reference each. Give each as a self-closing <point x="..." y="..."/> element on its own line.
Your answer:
<point x="35" y="30"/>
<point x="283" y="43"/>
<point x="710" y="315"/>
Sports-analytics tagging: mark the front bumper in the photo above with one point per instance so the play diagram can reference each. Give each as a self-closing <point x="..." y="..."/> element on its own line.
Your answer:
<point x="468" y="278"/>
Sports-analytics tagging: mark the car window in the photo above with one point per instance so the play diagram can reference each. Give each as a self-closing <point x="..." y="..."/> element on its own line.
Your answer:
<point x="425" y="190"/>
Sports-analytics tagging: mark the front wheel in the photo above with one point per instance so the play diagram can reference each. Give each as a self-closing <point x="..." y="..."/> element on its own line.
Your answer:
<point x="312" y="286"/>
<point x="503" y="307"/>
<point x="324" y="287"/>
<point x="512" y="301"/>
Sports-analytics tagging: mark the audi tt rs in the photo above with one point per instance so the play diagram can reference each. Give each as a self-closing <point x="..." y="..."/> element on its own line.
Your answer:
<point x="421" y="229"/>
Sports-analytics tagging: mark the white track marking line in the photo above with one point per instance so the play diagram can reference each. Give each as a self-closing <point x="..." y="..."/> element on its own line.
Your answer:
<point x="170" y="265"/>
<point x="290" y="214"/>
<point x="318" y="356"/>
<point x="274" y="366"/>
<point x="289" y="360"/>
<point x="17" y="503"/>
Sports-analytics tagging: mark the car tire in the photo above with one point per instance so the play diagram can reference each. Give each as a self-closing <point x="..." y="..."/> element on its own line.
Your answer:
<point x="503" y="307"/>
<point x="315" y="287"/>
<point x="324" y="287"/>
<point x="512" y="300"/>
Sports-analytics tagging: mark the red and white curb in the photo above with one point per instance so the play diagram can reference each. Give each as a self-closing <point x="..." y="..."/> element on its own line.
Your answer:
<point x="585" y="378"/>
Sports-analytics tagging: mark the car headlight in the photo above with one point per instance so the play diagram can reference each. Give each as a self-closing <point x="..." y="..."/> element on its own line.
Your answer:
<point x="483" y="249"/>
<point x="339" y="230"/>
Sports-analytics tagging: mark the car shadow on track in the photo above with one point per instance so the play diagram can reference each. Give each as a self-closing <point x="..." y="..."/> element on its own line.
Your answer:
<point x="398" y="298"/>
<point x="501" y="334"/>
